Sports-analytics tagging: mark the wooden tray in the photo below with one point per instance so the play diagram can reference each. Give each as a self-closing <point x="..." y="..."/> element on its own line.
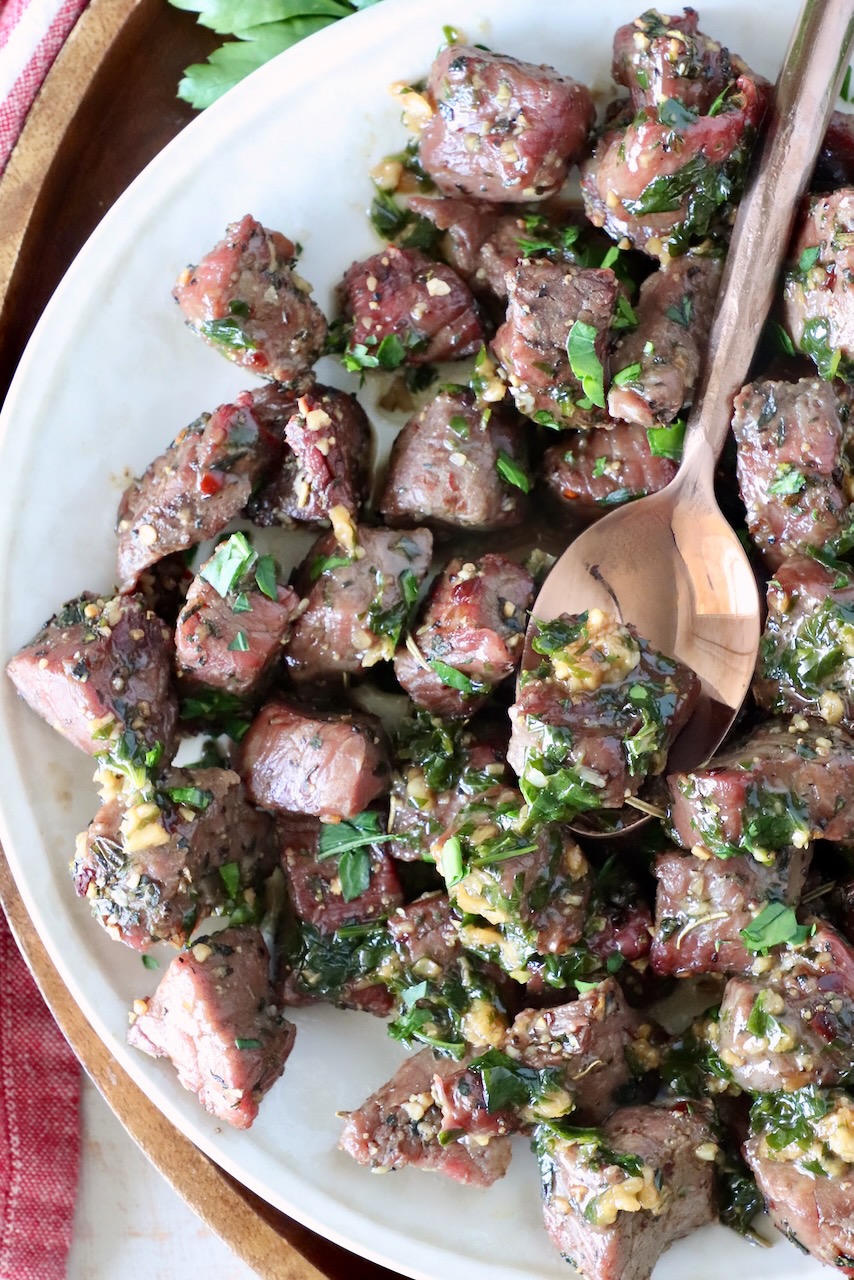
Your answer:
<point x="107" y="107"/>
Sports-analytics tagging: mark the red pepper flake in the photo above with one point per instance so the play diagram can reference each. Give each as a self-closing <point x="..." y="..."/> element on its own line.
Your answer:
<point x="210" y="483"/>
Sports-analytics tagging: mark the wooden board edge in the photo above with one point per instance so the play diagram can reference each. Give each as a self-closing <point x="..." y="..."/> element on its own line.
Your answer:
<point x="227" y="1210"/>
<point x="64" y="87"/>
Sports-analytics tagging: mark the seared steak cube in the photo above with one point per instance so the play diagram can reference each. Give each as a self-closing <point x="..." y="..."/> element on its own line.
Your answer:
<point x="99" y="668"/>
<point x="793" y="468"/>
<point x="153" y="868"/>
<point x="455" y="464"/>
<point x="235" y="620"/>
<point x="572" y="1058"/>
<point x="806" y="656"/>
<point x="786" y="784"/>
<point x="359" y="599"/>
<point x="802" y="1156"/>
<point x="655" y="367"/>
<point x="195" y="488"/>
<point x="321" y="888"/>
<point x="665" y="182"/>
<point x="661" y="56"/>
<point x="501" y="129"/>
<point x="399" y="1125"/>
<point x="324" y="464"/>
<point x="818" y="305"/>
<point x="549" y="306"/>
<point x="447" y="997"/>
<point x="530" y="887"/>
<point x="792" y="1026"/>
<point x="597" y="717"/>
<point x="337" y="947"/>
<point x="214" y="1016"/>
<point x="614" y="1204"/>
<point x="608" y="465"/>
<point x="247" y="302"/>
<point x="468" y="637"/>
<point x="702" y="905"/>
<point x="404" y="308"/>
<point x="440" y="766"/>
<point x="327" y="765"/>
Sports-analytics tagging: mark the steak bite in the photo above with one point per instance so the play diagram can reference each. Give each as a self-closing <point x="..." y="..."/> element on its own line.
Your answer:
<point x="529" y="887"/>
<point x="792" y="1026"/>
<point x="818" y="298"/>
<point x="806" y="656"/>
<point x="468" y="637"/>
<point x="457" y="465"/>
<point x="405" y="309"/>
<point x="656" y="365"/>
<point x="154" y="865"/>
<point x="215" y="1017"/>
<point x="447" y="997"/>
<point x="359" y="598"/>
<point x="247" y="302"/>
<point x="501" y="129"/>
<point x="608" y="465"/>
<point x="793" y="466"/>
<point x="613" y="1203"/>
<point x="666" y="181"/>
<point x="572" y="1058"/>
<point x="337" y="947"/>
<point x="702" y="904"/>
<point x="192" y="491"/>
<point x="327" y="765"/>
<point x="235" y="620"/>
<point x="661" y="56"/>
<point x="596" y="718"/>
<point x="786" y="784"/>
<point x="399" y="1125"/>
<point x="324" y="465"/>
<point x="440" y="766"/>
<point x="100" y="668"/>
<point x="801" y="1152"/>
<point x="557" y="313"/>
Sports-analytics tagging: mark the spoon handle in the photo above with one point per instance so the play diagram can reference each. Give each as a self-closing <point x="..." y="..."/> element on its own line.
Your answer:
<point x="806" y="91"/>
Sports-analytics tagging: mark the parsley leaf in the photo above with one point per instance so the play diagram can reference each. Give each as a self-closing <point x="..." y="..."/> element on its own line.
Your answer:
<point x="775" y="924"/>
<point x="667" y="442"/>
<point x="456" y="679"/>
<point x="510" y="471"/>
<point x="352" y="833"/>
<point x="354" y="872"/>
<point x="584" y="362"/>
<point x="228" y="564"/>
<point x="787" y="480"/>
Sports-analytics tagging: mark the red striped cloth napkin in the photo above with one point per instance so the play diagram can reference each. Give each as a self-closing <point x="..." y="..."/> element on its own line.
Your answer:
<point x="39" y="1075"/>
<point x="32" y="32"/>
<point x="39" y="1127"/>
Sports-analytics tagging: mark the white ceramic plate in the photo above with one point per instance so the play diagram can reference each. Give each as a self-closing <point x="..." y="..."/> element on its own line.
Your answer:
<point x="110" y="376"/>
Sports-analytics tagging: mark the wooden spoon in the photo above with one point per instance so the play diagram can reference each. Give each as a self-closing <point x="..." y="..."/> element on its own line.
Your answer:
<point x="670" y="563"/>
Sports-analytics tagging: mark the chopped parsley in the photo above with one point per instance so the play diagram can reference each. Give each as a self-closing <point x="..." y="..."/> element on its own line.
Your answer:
<point x="775" y="925"/>
<point x="584" y="362"/>
<point x="510" y="471"/>
<point x="667" y="442"/>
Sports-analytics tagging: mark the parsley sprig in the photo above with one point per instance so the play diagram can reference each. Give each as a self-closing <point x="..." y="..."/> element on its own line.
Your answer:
<point x="262" y="29"/>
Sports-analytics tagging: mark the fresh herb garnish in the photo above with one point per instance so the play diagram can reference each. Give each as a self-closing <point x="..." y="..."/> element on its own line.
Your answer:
<point x="352" y="833"/>
<point x="227" y="332"/>
<point x="150" y="962"/>
<point x="265" y="577"/>
<point x="193" y="797"/>
<point x="628" y="374"/>
<point x="585" y="363"/>
<point x="682" y="314"/>
<point x="675" y="115"/>
<point x="456" y="679"/>
<point x="231" y="560"/>
<point x="323" y="564"/>
<point x="262" y="31"/>
<point x="510" y="471"/>
<point x="240" y="643"/>
<point x="667" y="442"/>
<point x="787" y="480"/>
<point x="774" y="925"/>
<point x="246" y="1042"/>
<point x="229" y="873"/>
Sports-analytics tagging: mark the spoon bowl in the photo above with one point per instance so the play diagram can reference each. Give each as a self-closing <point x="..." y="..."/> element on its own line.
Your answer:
<point x="670" y="564"/>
